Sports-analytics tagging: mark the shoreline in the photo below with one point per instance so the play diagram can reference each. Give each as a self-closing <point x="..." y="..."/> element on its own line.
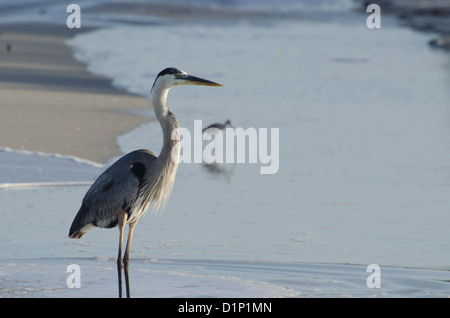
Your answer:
<point x="431" y="16"/>
<point x="50" y="103"/>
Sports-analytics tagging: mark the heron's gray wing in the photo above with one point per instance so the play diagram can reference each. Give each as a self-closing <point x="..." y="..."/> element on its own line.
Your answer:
<point x="114" y="190"/>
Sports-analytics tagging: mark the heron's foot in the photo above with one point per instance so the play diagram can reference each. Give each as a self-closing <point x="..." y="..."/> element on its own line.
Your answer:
<point x="125" y="263"/>
<point x="119" y="275"/>
<point x="120" y="263"/>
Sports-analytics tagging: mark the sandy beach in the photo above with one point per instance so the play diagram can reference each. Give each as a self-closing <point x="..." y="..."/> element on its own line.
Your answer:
<point x="51" y="103"/>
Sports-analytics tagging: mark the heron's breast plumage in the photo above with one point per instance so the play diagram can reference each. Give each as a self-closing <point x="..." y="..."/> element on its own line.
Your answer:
<point x="154" y="189"/>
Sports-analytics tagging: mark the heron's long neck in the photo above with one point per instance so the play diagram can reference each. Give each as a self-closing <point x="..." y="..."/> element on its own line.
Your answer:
<point x="169" y="124"/>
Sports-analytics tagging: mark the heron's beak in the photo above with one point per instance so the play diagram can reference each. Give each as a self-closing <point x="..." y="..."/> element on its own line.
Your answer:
<point x="193" y="80"/>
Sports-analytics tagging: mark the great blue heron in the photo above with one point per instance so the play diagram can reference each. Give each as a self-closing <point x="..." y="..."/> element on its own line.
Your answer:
<point x="219" y="126"/>
<point x="124" y="191"/>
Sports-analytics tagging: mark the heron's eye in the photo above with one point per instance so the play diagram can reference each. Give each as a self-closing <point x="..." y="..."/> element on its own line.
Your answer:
<point x="176" y="75"/>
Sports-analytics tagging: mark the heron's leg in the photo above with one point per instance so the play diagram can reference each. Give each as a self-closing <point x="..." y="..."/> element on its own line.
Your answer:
<point x="122" y="220"/>
<point x="126" y="260"/>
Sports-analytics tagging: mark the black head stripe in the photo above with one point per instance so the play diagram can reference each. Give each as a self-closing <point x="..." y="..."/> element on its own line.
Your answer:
<point x="169" y="70"/>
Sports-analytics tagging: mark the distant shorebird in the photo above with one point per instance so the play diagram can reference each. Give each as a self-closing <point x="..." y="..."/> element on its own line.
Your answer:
<point x="221" y="127"/>
<point x="124" y="191"/>
<point x="442" y="42"/>
<point x="10" y="48"/>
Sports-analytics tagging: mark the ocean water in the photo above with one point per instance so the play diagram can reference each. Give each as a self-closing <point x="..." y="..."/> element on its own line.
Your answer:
<point x="363" y="172"/>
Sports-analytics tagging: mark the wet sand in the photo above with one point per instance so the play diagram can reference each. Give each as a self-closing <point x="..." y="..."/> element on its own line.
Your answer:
<point x="51" y="103"/>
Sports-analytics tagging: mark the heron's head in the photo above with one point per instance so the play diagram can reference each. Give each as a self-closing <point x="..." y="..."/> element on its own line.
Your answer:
<point x="172" y="76"/>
